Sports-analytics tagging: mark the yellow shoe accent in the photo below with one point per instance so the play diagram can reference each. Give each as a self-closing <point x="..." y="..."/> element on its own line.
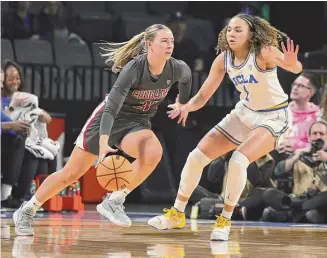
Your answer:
<point x="179" y="217"/>
<point x="221" y="229"/>
<point x="222" y="222"/>
<point x="171" y="219"/>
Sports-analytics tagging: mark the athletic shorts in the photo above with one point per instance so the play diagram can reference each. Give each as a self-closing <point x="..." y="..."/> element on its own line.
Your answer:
<point x="88" y="139"/>
<point x="239" y="123"/>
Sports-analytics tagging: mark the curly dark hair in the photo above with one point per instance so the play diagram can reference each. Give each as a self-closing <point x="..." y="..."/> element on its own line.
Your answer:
<point x="264" y="34"/>
<point x="9" y="63"/>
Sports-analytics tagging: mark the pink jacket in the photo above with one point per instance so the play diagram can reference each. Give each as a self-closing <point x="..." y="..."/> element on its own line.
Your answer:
<point x="302" y="120"/>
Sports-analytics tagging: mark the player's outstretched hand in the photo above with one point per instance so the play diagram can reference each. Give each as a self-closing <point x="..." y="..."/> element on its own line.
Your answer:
<point x="181" y="112"/>
<point x="290" y="54"/>
<point x="176" y="104"/>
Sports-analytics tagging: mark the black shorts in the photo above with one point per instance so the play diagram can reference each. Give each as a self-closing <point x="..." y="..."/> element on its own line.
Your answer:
<point x="88" y="139"/>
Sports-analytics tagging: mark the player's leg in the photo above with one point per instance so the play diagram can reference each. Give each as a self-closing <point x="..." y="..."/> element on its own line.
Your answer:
<point x="214" y="144"/>
<point x="79" y="162"/>
<point x="259" y="143"/>
<point x="146" y="148"/>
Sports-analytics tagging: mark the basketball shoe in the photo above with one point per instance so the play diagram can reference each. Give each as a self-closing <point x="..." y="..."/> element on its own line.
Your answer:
<point x="221" y="229"/>
<point x="114" y="210"/>
<point x="23" y="218"/>
<point x="171" y="219"/>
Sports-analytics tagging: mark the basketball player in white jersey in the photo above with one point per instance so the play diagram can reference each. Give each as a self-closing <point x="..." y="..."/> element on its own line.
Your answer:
<point x="250" y="56"/>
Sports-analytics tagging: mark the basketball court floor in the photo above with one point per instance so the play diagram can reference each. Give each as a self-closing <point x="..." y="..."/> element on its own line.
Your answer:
<point x="88" y="234"/>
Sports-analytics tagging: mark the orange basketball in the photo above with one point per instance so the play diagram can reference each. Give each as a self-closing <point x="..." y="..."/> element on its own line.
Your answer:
<point x="114" y="173"/>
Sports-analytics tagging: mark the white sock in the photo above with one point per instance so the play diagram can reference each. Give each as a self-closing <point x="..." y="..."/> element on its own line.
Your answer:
<point x="5" y="191"/>
<point x="34" y="204"/>
<point x="227" y="214"/>
<point x="180" y="205"/>
<point x="119" y="194"/>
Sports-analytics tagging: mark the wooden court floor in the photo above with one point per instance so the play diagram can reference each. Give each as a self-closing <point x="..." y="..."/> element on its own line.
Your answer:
<point x="88" y="234"/>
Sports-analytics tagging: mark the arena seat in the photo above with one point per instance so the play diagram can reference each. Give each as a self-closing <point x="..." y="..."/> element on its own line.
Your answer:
<point x="7" y="51"/>
<point x="68" y="56"/>
<point x="33" y="51"/>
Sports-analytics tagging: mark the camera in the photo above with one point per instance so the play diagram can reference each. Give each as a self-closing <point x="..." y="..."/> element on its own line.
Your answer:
<point x="306" y="157"/>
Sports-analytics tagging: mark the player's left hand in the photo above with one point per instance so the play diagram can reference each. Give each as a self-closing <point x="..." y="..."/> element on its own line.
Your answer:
<point x="320" y="156"/>
<point x="290" y="55"/>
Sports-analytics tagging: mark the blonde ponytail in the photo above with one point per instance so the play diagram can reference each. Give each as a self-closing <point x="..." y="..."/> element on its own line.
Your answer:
<point x="119" y="54"/>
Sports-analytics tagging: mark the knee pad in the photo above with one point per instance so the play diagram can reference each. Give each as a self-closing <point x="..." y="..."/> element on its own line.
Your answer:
<point x="238" y="161"/>
<point x="236" y="177"/>
<point x="198" y="158"/>
<point x="192" y="172"/>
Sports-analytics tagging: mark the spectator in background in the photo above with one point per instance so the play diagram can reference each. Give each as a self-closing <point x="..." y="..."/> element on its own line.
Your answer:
<point x="309" y="196"/>
<point x="185" y="48"/>
<point x="303" y="111"/>
<point x="21" y="167"/>
<point x="19" y="23"/>
<point x="53" y="22"/>
<point x="13" y="135"/>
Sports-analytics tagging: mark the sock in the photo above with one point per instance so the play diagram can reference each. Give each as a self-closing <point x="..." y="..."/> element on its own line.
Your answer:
<point x="180" y="205"/>
<point x="34" y="204"/>
<point x="119" y="194"/>
<point x="236" y="178"/>
<point x="5" y="191"/>
<point x="227" y="214"/>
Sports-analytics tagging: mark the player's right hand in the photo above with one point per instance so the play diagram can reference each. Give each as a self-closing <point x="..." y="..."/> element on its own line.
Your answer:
<point x="103" y="151"/>
<point x="181" y="112"/>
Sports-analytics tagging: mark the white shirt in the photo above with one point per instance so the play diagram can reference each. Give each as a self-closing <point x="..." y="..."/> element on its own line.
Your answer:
<point x="260" y="89"/>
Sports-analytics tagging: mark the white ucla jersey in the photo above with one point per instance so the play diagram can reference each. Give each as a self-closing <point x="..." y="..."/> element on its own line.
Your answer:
<point x="260" y="89"/>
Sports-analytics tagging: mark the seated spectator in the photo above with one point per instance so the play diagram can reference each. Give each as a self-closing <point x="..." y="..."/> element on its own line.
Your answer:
<point x="19" y="23"/>
<point x="13" y="135"/>
<point x="185" y="48"/>
<point x="309" y="196"/>
<point x="53" y="23"/>
<point x="37" y="148"/>
<point x="303" y="111"/>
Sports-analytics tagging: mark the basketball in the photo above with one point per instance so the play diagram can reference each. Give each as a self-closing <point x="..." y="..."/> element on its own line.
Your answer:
<point x="114" y="173"/>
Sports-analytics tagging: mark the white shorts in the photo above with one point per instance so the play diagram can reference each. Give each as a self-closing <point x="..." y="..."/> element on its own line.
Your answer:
<point x="238" y="124"/>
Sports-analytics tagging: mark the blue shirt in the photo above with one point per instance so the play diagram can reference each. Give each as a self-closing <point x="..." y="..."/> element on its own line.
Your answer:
<point x="5" y="101"/>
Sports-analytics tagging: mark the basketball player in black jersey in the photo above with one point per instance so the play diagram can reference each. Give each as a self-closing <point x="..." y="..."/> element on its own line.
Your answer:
<point x="147" y="72"/>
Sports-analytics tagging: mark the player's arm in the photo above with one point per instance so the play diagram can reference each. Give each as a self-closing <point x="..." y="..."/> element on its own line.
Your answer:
<point x="211" y="84"/>
<point x="115" y="100"/>
<point x="286" y="59"/>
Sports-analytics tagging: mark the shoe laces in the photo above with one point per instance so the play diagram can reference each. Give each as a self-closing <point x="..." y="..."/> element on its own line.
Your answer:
<point x="26" y="218"/>
<point x="171" y="213"/>
<point x="221" y="222"/>
<point x="120" y="209"/>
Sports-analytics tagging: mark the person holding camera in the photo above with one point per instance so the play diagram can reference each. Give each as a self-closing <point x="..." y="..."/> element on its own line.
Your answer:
<point x="308" y="201"/>
<point x="310" y="159"/>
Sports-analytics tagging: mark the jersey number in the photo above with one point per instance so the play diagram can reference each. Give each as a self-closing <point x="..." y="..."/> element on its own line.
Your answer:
<point x="146" y="105"/>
